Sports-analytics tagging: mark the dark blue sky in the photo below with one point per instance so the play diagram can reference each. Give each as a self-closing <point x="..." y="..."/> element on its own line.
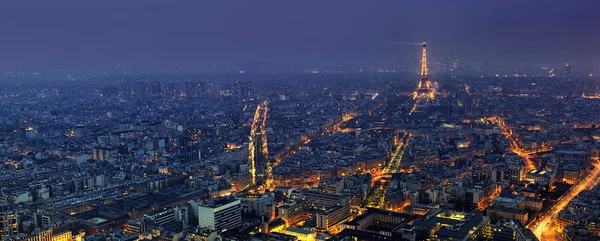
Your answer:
<point x="172" y="32"/>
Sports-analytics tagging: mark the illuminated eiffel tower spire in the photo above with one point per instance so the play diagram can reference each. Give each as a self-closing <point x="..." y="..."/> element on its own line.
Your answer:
<point x="424" y="60"/>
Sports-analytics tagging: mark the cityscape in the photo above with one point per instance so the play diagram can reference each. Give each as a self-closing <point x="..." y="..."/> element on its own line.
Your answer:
<point x="424" y="146"/>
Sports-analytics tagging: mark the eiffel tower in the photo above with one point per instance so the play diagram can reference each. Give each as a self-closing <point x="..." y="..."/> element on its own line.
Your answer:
<point x="424" y="91"/>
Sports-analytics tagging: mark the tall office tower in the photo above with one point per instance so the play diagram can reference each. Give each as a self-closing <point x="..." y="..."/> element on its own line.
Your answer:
<point x="170" y="91"/>
<point x="568" y="70"/>
<point x="221" y="214"/>
<point x="156" y="90"/>
<point x="191" y="90"/>
<point x="141" y="90"/>
<point x="201" y="88"/>
<point x="242" y="90"/>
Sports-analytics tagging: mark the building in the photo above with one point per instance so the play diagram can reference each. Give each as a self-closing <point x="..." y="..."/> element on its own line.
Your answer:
<point x="242" y="90"/>
<point x="262" y="207"/>
<point x="293" y="212"/>
<point x="194" y="90"/>
<point x="188" y="148"/>
<point x="509" y="230"/>
<point x="447" y="225"/>
<point x="221" y="214"/>
<point x="568" y="70"/>
<point x="324" y="200"/>
<point x="156" y="90"/>
<point x="44" y="219"/>
<point x="79" y="131"/>
<point x="102" y="153"/>
<point x="331" y="186"/>
<point x="190" y="90"/>
<point x="516" y="172"/>
<point x="275" y="236"/>
<point x="139" y="226"/>
<point x="141" y="90"/>
<point x="38" y="235"/>
<point x="9" y="224"/>
<point x="572" y="175"/>
<point x="572" y="155"/>
<point x="499" y="174"/>
<point x="508" y="201"/>
<point x="536" y="176"/>
<point x="31" y="133"/>
<point x="241" y="181"/>
<point x="531" y="203"/>
<point x="479" y="193"/>
<point x="579" y="233"/>
<point x="499" y="212"/>
<point x="301" y="234"/>
<point x="328" y="218"/>
<point x="167" y="217"/>
<point x="63" y="236"/>
<point x="374" y="217"/>
<point x="100" y="218"/>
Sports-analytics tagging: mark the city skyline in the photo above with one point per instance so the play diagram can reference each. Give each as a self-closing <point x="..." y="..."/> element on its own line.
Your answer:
<point x="299" y="121"/>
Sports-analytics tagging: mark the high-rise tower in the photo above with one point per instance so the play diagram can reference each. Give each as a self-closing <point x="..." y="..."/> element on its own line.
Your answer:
<point x="567" y="70"/>
<point x="424" y="90"/>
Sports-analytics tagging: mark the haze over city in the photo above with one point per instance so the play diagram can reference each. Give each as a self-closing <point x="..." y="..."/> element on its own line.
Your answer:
<point x="83" y="33"/>
<point x="299" y="120"/>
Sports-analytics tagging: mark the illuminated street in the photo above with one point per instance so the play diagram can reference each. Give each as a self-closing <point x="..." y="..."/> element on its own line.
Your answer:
<point x="546" y="229"/>
<point x="297" y="121"/>
<point x="376" y="199"/>
<point x="514" y="145"/>
<point x="396" y="158"/>
<point x="254" y="135"/>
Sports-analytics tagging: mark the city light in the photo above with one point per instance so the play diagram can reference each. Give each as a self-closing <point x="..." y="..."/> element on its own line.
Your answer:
<point x="546" y="228"/>
<point x="190" y="121"/>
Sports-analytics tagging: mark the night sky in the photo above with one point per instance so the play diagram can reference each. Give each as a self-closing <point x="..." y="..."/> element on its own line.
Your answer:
<point x="298" y="32"/>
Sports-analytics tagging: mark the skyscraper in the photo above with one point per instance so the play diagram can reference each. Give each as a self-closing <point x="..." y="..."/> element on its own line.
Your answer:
<point x="201" y="88"/>
<point x="568" y="70"/>
<point x="170" y="90"/>
<point x="242" y="90"/>
<point x="141" y="90"/>
<point x="156" y="90"/>
<point x="190" y="90"/>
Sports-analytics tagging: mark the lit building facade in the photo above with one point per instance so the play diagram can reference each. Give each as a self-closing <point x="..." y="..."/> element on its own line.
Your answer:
<point x="220" y="214"/>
